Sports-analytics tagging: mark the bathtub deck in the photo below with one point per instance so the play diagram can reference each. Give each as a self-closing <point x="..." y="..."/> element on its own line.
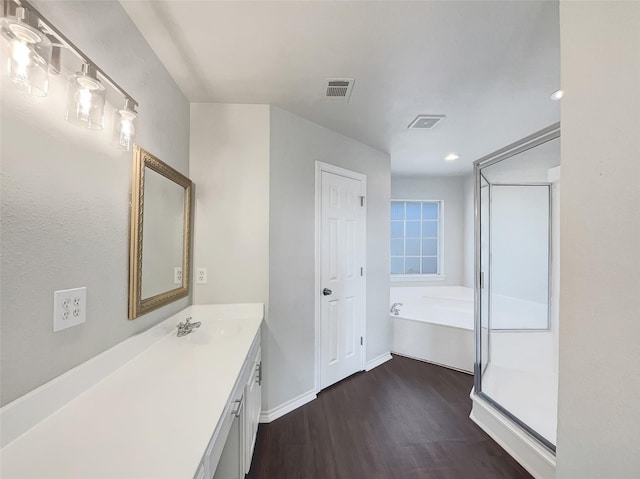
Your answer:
<point x="405" y="419"/>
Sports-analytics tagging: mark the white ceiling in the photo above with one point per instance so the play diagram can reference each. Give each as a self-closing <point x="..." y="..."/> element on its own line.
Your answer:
<point x="488" y="66"/>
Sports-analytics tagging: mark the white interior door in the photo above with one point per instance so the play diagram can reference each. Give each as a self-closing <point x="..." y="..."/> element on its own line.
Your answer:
<point x="342" y="300"/>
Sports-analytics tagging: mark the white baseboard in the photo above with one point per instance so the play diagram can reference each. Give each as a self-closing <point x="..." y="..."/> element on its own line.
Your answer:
<point x="287" y="407"/>
<point x="375" y="362"/>
<point x="529" y="453"/>
<point x="295" y="403"/>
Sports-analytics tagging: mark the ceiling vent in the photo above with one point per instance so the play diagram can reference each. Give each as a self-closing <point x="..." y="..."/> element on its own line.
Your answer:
<point x="426" y="122"/>
<point x="338" y="89"/>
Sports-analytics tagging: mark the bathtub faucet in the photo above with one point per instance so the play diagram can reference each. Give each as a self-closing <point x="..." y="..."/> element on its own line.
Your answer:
<point x="394" y="309"/>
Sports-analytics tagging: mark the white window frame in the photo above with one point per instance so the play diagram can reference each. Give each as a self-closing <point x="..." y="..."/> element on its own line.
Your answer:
<point x="424" y="277"/>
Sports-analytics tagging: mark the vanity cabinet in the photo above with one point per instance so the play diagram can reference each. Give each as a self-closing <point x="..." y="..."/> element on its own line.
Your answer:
<point x="229" y="453"/>
<point x="253" y="407"/>
<point x="192" y="405"/>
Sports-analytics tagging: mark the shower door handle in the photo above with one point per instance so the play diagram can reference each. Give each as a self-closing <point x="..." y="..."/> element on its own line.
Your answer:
<point x="326" y="292"/>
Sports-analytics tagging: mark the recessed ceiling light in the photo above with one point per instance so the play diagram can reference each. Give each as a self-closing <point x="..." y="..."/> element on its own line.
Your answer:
<point x="452" y="157"/>
<point x="556" y="95"/>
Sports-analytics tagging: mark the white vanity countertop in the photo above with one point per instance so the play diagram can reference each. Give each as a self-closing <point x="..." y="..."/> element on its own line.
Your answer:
<point x="151" y="418"/>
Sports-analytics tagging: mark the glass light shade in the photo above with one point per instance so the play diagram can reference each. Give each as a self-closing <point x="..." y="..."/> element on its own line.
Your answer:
<point x="85" y="100"/>
<point x="125" y="127"/>
<point x="29" y="55"/>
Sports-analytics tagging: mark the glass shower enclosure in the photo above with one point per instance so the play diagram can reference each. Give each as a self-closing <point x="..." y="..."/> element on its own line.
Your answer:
<point x="517" y="281"/>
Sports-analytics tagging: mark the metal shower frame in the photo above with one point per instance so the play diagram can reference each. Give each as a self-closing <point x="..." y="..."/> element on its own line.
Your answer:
<point x="536" y="139"/>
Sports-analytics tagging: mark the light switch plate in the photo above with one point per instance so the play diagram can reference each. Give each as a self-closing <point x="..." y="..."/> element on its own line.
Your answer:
<point x="69" y="308"/>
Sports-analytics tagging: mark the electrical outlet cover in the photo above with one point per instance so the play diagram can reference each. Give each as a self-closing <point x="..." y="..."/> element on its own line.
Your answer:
<point x="201" y="276"/>
<point x="177" y="275"/>
<point x="69" y="308"/>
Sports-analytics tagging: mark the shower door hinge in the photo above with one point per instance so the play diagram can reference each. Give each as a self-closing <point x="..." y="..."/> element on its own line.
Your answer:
<point x="361" y="271"/>
<point x="481" y="279"/>
<point x="361" y="341"/>
<point x="362" y="201"/>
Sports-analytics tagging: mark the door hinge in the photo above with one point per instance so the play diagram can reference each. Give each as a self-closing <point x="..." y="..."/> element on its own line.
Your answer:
<point x="361" y="341"/>
<point x="362" y="201"/>
<point x="361" y="271"/>
<point x="481" y="279"/>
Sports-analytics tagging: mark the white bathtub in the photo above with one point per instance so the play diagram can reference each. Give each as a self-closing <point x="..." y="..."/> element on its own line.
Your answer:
<point x="435" y="324"/>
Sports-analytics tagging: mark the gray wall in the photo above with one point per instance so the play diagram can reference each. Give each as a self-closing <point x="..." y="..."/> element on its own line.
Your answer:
<point x="599" y="384"/>
<point x="450" y="190"/>
<point x="296" y="144"/>
<point x="230" y="164"/>
<point x="65" y="200"/>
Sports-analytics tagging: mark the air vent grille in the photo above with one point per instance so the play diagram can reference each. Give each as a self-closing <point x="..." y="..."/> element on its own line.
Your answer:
<point x="425" y="122"/>
<point x="338" y="89"/>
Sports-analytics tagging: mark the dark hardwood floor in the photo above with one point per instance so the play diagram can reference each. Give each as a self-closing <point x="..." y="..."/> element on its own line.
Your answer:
<point x="405" y="419"/>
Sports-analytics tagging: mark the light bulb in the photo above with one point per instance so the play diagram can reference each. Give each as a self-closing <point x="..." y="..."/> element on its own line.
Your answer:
<point x="83" y="102"/>
<point x="125" y="129"/>
<point x="19" y="63"/>
<point x="127" y="132"/>
<point x="29" y="53"/>
<point x="85" y="99"/>
<point x="20" y="53"/>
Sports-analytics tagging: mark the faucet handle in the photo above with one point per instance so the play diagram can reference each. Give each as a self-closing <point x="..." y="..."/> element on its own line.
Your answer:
<point x="186" y="323"/>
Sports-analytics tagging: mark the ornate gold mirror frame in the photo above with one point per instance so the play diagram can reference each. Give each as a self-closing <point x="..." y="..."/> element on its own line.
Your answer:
<point x="137" y="305"/>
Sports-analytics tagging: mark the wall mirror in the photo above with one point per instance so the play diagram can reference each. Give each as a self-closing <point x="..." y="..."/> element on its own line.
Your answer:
<point x="160" y="249"/>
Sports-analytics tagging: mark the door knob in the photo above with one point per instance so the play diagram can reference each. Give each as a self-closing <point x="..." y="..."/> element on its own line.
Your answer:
<point x="326" y="291"/>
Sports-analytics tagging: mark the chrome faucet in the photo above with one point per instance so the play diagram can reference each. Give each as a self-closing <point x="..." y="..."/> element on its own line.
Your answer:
<point x="394" y="309"/>
<point x="187" y="327"/>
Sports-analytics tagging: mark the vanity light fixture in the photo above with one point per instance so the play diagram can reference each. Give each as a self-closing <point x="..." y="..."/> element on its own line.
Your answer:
<point x="29" y="52"/>
<point x="125" y="127"/>
<point x="451" y="157"/>
<point x="35" y="47"/>
<point x="85" y="98"/>
<point x="556" y="95"/>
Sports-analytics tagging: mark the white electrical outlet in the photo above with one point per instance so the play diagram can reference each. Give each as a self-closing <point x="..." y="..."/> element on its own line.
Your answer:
<point x="201" y="276"/>
<point x="69" y="308"/>
<point x="177" y="275"/>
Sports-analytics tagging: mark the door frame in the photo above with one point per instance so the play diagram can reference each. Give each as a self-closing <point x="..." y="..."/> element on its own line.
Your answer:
<point x="337" y="170"/>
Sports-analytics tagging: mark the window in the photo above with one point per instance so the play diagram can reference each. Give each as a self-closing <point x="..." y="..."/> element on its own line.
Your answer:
<point x="415" y="237"/>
